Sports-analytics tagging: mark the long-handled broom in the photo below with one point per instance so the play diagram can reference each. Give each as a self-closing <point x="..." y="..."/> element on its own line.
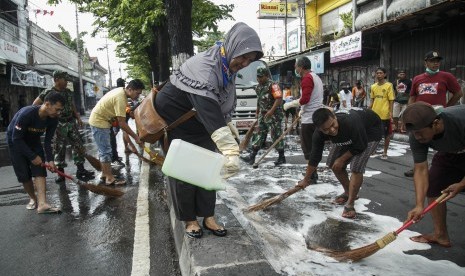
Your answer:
<point x="94" y="162"/>
<point x="101" y="190"/>
<point x="368" y="250"/>
<point x="154" y="156"/>
<point x="245" y="141"/>
<point x="255" y="165"/>
<point x="272" y="201"/>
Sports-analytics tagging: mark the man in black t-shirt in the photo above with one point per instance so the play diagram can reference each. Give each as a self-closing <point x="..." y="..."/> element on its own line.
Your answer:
<point x="354" y="136"/>
<point x="442" y="129"/>
<point x="26" y="151"/>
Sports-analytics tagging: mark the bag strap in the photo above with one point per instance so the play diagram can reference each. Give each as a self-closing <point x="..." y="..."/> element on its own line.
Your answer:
<point x="182" y="119"/>
<point x="174" y="124"/>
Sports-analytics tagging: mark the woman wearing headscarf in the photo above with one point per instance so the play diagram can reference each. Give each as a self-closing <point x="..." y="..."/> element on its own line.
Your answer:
<point x="206" y="82"/>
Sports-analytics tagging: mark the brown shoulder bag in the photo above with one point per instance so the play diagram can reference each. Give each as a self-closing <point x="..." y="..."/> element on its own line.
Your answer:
<point x="150" y="125"/>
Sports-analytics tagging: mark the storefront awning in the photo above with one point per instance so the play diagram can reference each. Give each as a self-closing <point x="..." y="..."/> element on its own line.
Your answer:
<point x="54" y="66"/>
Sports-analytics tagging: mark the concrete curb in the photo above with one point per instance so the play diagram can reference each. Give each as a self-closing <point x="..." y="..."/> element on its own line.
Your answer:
<point x="235" y="254"/>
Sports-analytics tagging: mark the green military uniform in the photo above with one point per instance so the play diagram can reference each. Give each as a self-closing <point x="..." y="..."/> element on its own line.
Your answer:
<point x="265" y="102"/>
<point x="268" y="93"/>
<point x="67" y="131"/>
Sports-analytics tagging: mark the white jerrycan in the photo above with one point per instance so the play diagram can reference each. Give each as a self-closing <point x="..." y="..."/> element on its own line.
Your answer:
<point x="194" y="165"/>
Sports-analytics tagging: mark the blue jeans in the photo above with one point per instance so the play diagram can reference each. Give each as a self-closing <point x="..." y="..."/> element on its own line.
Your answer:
<point x="102" y="139"/>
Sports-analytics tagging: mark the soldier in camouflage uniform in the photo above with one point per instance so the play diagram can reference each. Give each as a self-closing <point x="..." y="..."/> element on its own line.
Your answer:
<point x="270" y="115"/>
<point x="67" y="130"/>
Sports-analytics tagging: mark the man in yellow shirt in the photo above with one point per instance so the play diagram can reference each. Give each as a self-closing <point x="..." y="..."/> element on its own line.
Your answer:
<point x="112" y="106"/>
<point x="382" y="99"/>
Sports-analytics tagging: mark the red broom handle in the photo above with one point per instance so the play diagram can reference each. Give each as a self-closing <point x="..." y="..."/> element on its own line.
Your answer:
<point x="58" y="172"/>
<point x="426" y="210"/>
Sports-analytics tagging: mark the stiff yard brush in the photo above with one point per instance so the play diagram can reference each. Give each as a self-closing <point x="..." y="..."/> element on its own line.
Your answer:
<point x="101" y="190"/>
<point x="368" y="250"/>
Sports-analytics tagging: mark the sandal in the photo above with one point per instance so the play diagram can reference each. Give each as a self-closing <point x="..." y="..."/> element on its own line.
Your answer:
<point x="341" y="199"/>
<point x="116" y="182"/>
<point x="50" y="210"/>
<point x="349" y="212"/>
<point x="31" y="205"/>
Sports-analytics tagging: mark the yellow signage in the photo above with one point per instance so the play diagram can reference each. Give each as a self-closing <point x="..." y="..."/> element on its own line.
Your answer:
<point x="274" y="10"/>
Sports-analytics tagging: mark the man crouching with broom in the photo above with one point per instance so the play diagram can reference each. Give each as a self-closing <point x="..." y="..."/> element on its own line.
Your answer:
<point x="354" y="136"/>
<point x="26" y="151"/>
<point x="442" y="130"/>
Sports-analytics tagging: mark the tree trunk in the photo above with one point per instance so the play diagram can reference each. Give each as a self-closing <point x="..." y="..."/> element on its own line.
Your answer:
<point x="163" y="41"/>
<point x="179" y="14"/>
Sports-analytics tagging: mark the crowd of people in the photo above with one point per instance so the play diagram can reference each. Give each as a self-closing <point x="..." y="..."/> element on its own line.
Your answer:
<point x="206" y="83"/>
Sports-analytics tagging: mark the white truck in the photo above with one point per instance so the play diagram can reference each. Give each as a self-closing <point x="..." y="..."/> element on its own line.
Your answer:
<point x="246" y="108"/>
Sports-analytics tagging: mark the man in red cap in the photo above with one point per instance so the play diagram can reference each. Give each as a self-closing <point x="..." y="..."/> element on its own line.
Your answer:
<point x="432" y="86"/>
<point x="442" y="129"/>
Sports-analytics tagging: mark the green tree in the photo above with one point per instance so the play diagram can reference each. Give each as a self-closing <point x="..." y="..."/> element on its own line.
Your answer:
<point x="140" y="28"/>
<point x="208" y="41"/>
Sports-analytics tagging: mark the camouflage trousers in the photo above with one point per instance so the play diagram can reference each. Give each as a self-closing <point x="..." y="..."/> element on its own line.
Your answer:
<point x="68" y="133"/>
<point x="273" y="124"/>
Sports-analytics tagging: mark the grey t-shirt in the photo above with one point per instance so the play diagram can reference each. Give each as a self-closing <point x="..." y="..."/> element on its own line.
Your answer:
<point x="452" y="140"/>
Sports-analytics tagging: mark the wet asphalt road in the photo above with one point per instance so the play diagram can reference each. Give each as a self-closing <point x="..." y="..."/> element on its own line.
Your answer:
<point x="94" y="235"/>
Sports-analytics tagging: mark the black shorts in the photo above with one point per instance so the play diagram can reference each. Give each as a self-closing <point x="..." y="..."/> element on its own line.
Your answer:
<point x="446" y="169"/>
<point x="387" y="128"/>
<point x="23" y="167"/>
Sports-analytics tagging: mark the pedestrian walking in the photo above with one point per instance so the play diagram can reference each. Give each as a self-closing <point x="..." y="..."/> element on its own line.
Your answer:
<point x="111" y="107"/>
<point x="382" y="99"/>
<point x="432" y="86"/>
<point x="441" y="129"/>
<point x="206" y="82"/>
<point x="354" y="136"/>
<point x="26" y="151"/>
<point x="402" y="89"/>
<point x="270" y="115"/>
<point x="311" y="99"/>
<point x="67" y="132"/>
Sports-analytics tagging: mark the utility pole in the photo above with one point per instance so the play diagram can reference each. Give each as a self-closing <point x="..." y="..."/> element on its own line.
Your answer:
<point x="285" y="30"/>
<point x="78" y="38"/>
<point x="108" y="60"/>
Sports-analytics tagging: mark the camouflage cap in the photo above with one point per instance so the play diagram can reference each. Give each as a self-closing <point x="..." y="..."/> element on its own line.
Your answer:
<point x="262" y="71"/>
<point x="58" y="74"/>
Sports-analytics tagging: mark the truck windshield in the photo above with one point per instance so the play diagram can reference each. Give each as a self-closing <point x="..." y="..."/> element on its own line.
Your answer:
<point x="247" y="77"/>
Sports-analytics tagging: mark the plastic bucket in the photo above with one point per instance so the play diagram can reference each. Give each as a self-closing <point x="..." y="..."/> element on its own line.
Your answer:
<point x="194" y="165"/>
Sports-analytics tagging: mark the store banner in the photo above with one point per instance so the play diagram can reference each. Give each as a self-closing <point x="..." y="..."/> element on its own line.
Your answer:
<point x="27" y="78"/>
<point x="277" y="10"/>
<point x="12" y="52"/>
<point x="346" y="48"/>
<point x="318" y="64"/>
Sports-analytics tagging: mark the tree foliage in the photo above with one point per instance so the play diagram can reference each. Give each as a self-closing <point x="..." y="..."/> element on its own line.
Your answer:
<point x="136" y="26"/>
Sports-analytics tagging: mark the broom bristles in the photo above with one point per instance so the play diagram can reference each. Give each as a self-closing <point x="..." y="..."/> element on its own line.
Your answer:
<point x="264" y="204"/>
<point x="274" y="200"/>
<point x="357" y="254"/>
<point x="103" y="190"/>
<point x="94" y="162"/>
